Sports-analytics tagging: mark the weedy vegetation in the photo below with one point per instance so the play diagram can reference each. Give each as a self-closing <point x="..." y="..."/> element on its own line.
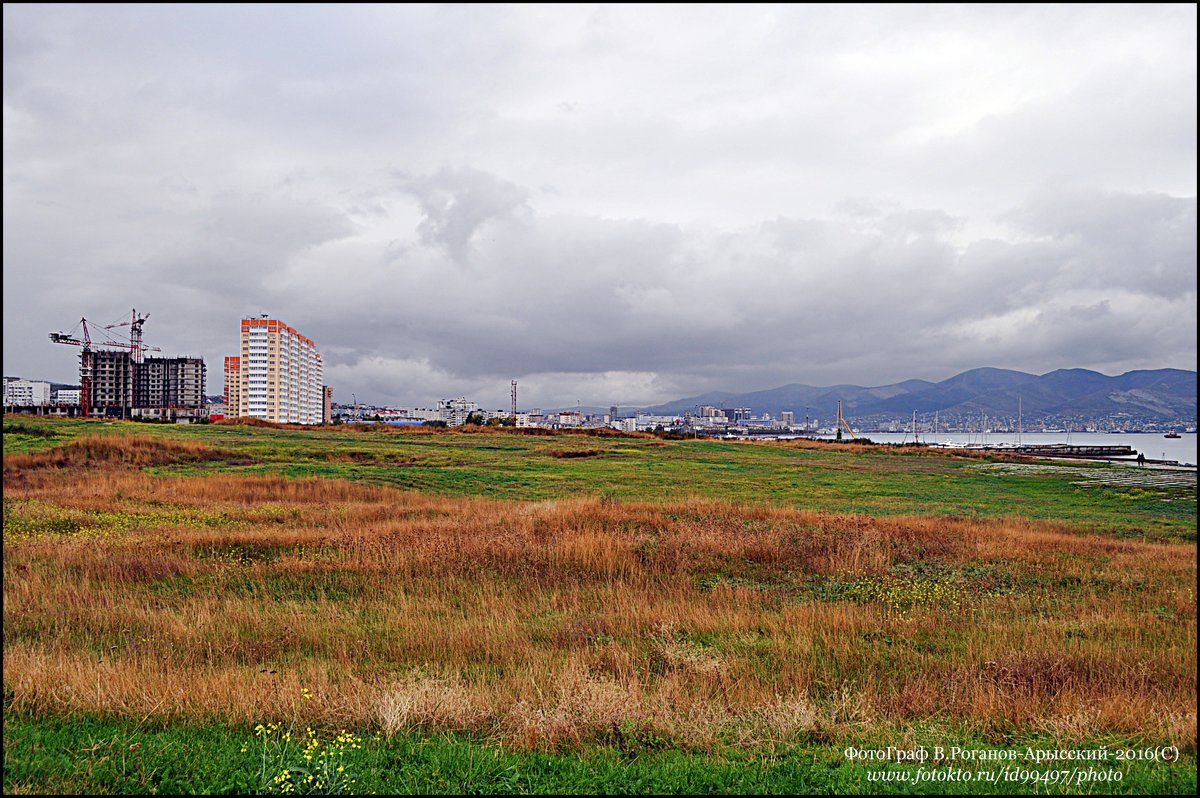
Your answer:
<point x="328" y="598"/>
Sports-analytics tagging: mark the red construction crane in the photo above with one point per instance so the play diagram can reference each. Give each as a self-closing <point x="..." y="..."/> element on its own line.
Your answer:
<point x="85" y="357"/>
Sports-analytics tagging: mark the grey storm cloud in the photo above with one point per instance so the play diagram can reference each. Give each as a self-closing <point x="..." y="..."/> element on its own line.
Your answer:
<point x="457" y="202"/>
<point x="612" y="204"/>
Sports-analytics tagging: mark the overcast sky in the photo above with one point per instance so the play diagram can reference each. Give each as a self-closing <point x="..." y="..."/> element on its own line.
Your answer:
<point x="610" y="204"/>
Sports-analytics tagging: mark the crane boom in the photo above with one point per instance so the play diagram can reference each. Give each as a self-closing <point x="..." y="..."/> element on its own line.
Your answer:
<point x="85" y="364"/>
<point x="847" y="425"/>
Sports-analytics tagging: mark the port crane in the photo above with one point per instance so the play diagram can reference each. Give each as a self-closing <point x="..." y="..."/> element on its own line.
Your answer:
<point x="135" y="346"/>
<point x="841" y="420"/>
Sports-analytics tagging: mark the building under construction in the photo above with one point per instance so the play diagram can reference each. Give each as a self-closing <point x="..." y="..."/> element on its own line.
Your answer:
<point x="116" y="379"/>
<point x="171" y="388"/>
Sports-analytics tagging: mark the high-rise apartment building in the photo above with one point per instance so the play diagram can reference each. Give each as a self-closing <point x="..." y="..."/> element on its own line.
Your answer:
<point x="233" y="385"/>
<point x="277" y="376"/>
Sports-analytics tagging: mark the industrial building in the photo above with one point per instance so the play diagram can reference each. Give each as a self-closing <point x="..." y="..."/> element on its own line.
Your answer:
<point x="278" y="375"/>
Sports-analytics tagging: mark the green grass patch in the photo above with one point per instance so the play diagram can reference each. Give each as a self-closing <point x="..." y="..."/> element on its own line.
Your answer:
<point x="105" y="756"/>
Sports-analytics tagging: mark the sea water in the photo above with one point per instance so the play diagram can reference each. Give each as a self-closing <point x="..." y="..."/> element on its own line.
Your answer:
<point x="1151" y="444"/>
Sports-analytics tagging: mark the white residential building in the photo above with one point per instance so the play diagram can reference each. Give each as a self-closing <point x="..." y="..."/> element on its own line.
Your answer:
<point x="26" y="393"/>
<point x="67" y="396"/>
<point x="455" y="411"/>
<point x="645" y="422"/>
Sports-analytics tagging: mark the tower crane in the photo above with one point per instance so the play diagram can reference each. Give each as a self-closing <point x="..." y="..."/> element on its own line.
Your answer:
<point x="135" y="346"/>
<point x="135" y="334"/>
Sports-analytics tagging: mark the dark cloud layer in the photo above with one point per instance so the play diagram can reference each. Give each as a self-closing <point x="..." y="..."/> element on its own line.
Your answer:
<point x="610" y="204"/>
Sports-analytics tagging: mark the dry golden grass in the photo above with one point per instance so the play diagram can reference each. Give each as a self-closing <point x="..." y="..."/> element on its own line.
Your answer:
<point x="563" y="622"/>
<point x="421" y="429"/>
<point x="90" y="451"/>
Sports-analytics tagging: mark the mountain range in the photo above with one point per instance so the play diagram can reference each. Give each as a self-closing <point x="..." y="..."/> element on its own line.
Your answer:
<point x="1159" y="394"/>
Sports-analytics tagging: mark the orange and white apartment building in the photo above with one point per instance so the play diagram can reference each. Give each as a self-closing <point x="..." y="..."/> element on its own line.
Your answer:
<point x="277" y="377"/>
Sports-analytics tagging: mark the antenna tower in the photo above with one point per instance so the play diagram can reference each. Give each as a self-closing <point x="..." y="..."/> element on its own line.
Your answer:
<point x="514" y="399"/>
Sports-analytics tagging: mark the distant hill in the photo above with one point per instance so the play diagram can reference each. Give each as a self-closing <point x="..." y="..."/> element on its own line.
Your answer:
<point x="1160" y="394"/>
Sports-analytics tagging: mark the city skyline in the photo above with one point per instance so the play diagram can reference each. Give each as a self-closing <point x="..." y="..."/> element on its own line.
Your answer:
<point x="609" y="204"/>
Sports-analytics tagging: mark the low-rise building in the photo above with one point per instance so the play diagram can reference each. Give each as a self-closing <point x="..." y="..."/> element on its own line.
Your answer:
<point x="649" y="422"/>
<point x="26" y="393"/>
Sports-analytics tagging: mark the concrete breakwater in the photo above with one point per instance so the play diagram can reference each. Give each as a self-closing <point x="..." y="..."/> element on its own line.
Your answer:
<point x="1123" y="454"/>
<point x="1068" y="450"/>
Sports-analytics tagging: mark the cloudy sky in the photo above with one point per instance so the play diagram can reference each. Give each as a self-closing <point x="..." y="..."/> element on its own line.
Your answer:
<point x="610" y="204"/>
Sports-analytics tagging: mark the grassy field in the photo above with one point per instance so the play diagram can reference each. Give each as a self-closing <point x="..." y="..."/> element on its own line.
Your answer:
<point x="488" y="611"/>
<point x="878" y="480"/>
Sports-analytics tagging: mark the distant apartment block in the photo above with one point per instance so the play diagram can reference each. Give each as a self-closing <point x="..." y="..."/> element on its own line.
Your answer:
<point x="67" y="396"/>
<point x="570" y="418"/>
<point x="233" y="385"/>
<point x="26" y="393"/>
<point x="455" y="411"/>
<point x="421" y="414"/>
<point x="278" y="375"/>
<point x="327" y="411"/>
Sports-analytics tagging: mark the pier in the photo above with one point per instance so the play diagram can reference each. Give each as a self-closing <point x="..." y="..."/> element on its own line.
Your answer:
<point x="1068" y="450"/>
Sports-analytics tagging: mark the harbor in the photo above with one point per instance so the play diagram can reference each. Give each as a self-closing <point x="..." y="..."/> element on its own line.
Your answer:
<point x="1158" y="450"/>
<point x="1124" y="448"/>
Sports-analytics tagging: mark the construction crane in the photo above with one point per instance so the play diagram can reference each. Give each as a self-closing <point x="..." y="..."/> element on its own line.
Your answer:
<point x="135" y="334"/>
<point x="842" y="422"/>
<point x="85" y="357"/>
